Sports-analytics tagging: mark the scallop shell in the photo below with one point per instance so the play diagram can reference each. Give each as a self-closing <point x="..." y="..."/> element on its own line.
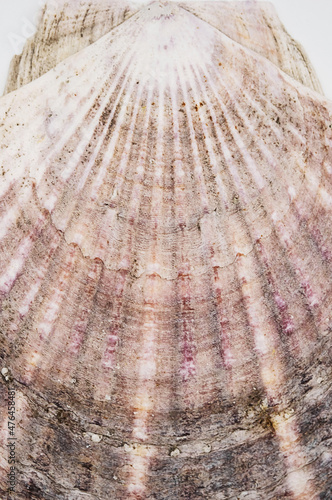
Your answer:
<point x="165" y="274"/>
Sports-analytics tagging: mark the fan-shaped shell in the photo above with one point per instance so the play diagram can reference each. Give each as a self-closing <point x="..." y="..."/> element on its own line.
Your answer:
<point x="165" y="269"/>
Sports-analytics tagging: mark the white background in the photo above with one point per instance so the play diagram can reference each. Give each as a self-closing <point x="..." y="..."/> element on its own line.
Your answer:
<point x="308" y="21"/>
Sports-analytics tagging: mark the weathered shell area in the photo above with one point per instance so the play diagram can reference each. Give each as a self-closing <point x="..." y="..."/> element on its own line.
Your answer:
<point x="256" y="25"/>
<point x="65" y="28"/>
<point x="165" y="272"/>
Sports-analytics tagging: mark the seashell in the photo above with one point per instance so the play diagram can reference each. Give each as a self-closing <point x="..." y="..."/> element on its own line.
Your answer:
<point x="165" y="271"/>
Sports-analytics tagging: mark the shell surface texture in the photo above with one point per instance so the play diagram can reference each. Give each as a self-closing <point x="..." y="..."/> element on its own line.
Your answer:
<point x="165" y="257"/>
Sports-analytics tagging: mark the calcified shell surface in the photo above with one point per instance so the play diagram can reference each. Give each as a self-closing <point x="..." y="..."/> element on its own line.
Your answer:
<point x="165" y="273"/>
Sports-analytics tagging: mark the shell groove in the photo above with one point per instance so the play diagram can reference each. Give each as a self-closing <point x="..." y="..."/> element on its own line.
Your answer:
<point x="165" y="274"/>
